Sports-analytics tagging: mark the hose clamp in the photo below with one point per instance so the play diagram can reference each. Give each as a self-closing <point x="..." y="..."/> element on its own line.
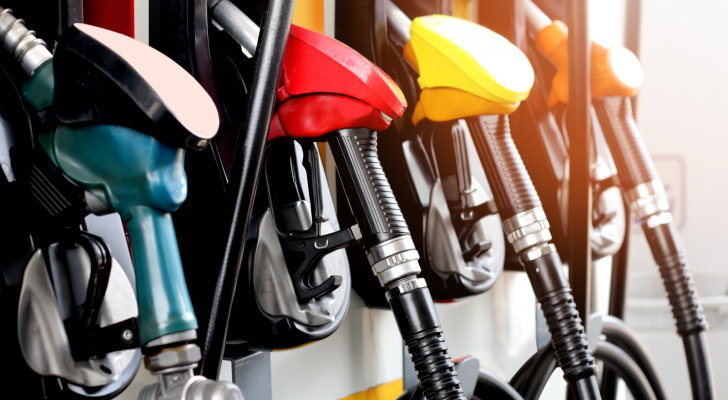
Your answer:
<point x="538" y="252"/>
<point x="648" y="199"/>
<point x="658" y="219"/>
<point x="405" y="286"/>
<point x="394" y="259"/>
<point x="527" y="229"/>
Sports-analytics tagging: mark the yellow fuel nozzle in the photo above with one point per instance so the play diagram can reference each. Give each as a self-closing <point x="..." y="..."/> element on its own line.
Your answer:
<point x="615" y="71"/>
<point x="465" y="69"/>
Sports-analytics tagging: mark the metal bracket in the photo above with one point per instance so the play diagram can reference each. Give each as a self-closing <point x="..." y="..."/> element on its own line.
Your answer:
<point x="251" y="373"/>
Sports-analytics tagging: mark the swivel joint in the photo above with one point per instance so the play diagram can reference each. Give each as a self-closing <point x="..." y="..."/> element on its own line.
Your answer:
<point x="527" y="229"/>
<point x="648" y="199"/>
<point x="172" y="359"/>
<point x="394" y="259"/>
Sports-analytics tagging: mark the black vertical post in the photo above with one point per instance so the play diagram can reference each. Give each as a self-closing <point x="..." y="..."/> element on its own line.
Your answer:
<point x="244" y="175"/>
<point x="618" y="286"/>
<point x="618" y="289"/>
<point x="580" y="157"/>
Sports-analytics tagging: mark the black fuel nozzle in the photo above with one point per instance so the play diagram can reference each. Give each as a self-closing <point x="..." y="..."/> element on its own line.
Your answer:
<point x="527" y="229"/>
<point x="394" y="259"/>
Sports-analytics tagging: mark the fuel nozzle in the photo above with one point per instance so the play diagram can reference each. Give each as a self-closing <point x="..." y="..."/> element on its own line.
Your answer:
<point x="394" y="259"/>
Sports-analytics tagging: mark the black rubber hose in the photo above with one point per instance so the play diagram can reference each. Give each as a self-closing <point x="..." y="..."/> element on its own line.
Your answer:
<point x="512" y="188"/>
<point x="620" y="334"/>
<point x="245" y="170"/>
<point x="689" y="316"/>
<point x="567" y="333"/>
<point x="626" y="368"/>
<point x="701" y="374"/>
<point x="614" y="358"/>
<point x="519" y="379"/>
<point x="670" y="257"/>
<point x="366" y="186"/>
<point x="420" y="329"/>
<point x="541" y="373"/>
<point x="490" y="386"/>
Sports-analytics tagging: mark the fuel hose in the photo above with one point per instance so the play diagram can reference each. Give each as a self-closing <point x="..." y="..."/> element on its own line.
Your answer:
<point x="647" y="198"/>
<point x="527" y="229"/>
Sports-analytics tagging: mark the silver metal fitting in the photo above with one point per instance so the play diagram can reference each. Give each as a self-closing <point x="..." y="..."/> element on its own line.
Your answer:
<point x="648" y="199"/>
<point x="171" y="357"/>
<point x="394" y="259"/>
<point x="527" y="229"/>
<point x="406" y="286"/>
<point x="177" y="337"/>
<point x="540" y="251"/>
<point x="241" y="28"/>
<point x="658" y="219"/>
<point x="21" y="43"/>
<point x="182" y="384"/>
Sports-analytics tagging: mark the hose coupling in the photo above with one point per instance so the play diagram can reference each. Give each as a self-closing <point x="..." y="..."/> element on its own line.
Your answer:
<point x="648" y="199"/>
<point x="538" y="252"/>
<point x="174" y="367"/>
<point x="394" y="259"/>
<point x="405" y="285"/>
<point x="527" y="229"/>
<point x="655" y="220"/>
<point x="21" y="43"/>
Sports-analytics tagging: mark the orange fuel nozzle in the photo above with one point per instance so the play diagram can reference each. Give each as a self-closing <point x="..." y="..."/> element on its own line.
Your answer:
<point x="615" y="71"/>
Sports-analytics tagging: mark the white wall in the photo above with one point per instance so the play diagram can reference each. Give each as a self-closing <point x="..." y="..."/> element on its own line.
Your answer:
<point x="681" y="114"/>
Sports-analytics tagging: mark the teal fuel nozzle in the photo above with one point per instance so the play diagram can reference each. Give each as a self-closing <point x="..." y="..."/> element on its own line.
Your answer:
<point x="126" y="114"/>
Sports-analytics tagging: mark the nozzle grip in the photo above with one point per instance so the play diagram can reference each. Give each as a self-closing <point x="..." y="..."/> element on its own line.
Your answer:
<point x="367" y="188"/>
<point x="633" y="162"/>
<point x="164" y="302"/>
<point x="513" y="190"/>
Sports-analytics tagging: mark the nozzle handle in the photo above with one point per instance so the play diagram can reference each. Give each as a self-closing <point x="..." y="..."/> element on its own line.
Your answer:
<point x="633" y="162"/>
<point x="367" y="188"/>
<point x="164" y="302"/>
<point x="513" y="190"/>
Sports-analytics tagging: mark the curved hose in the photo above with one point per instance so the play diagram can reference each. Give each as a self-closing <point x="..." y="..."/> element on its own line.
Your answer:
<point x="542" y="372"/>
<point x="490" y="386"/>
<point x="620" y="334"/>
<point x="519" y="378"/>
<point x="617" y="359"/>
<point x="626" y="368"/>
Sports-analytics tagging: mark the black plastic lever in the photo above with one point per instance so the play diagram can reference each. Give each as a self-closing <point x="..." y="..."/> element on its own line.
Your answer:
<point x="87" y="338"/>
<point x="313" y="250"/>
<point x="101" y="262"/>
<point x="477" y="250"/>
<point x="303" y="249"/>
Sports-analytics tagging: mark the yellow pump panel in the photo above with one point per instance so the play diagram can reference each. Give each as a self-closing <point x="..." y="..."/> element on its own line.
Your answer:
<point x="458" y="54"/>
